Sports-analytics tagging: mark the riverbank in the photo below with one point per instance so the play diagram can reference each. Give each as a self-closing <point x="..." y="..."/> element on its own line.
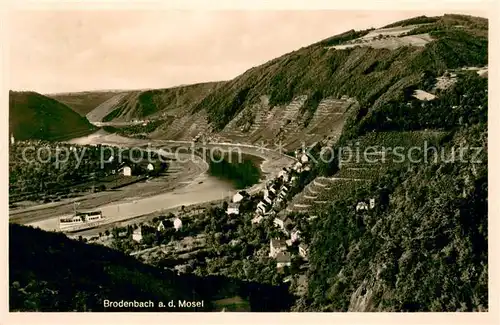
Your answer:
<point x="189" y="188"/>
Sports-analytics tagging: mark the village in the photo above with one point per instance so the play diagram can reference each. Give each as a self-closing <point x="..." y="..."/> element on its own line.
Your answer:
<point x="251" y="236"/>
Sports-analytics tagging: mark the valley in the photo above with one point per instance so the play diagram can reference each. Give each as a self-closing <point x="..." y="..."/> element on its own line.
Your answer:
<point x="353" y="192"/>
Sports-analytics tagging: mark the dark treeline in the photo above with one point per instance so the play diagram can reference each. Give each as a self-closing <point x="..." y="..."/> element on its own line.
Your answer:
<point x="49" y="272"/>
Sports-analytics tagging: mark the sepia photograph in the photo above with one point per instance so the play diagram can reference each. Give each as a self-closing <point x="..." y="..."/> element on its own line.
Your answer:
<point x="247" y="161"/>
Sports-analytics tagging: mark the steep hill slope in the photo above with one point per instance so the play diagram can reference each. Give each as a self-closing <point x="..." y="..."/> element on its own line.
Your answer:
<point x="423" y="247"/>
<point x="34" y="116"/>
<point x="50" y="272"/>
<point x="153" y="104"/>
<point x="84" y="102"/>
<point x="286" y="98"/>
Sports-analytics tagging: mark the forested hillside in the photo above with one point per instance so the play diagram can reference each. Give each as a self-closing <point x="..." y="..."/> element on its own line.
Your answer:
<point x="372" y="76"/>
<point x="424" y="247"/>
<point x="148" y="103"/>
<point x="34" y="116"/>
<point x="50" y="272"/>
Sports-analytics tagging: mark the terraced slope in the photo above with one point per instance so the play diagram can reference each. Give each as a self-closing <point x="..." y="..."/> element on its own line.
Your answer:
<point x="362" y="160"/>
<point x="283" y="125"/>
<point x="297" y="96"/>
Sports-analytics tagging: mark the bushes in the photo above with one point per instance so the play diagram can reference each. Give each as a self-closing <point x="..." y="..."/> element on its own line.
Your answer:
<point x="465" y="103"/>
<point x="414" y="21"/>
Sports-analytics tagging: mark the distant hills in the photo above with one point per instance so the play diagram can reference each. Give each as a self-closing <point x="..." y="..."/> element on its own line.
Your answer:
<point x="288" y="98"/>
<point x="85" y="101"/>
<point x="35" y="116"/>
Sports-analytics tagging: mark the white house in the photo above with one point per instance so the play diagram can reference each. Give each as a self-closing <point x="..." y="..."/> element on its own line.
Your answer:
<point x="283" y="173"/>
<point x="161" y="226"/>
<point x="233" y="208"/>
<point x="361" y="206"/>
<point x="268" y="200"/>
<point x="282" y="222"/>
<point x="303" y="250"/>
<point x="295" y="235"/>
<point x="372" y="203"/>
<point x="237" y="198"/>
<point x="283" y="193"/>
<point x="12" y="139"/>
<point x="276" y="246"/>
<point x="257" y="219"/>
<point x="279" y="222"/>
<point x="150" y="167"/>
<point x="304" y="159"/>
<point x="261" y="208"/>
<point x="283" y="259"/>
<point x="272" y="189"/>
<point x="298" y="167"/>
<point x="137" y="235"/>
<point x="127" y="171"/>
<point x="177" y="224"/>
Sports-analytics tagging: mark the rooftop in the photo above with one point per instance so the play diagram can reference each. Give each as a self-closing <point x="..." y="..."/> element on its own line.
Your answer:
<point x="283" y="257"/>
<point x="278" y="242"/>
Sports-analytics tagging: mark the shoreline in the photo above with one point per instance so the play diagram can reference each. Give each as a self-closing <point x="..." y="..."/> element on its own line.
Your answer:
<point x="198" y="189"/>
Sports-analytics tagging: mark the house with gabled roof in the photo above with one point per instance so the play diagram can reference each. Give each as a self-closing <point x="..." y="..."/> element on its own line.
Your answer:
<point x="283" y="259"/>
<point x="257" y="219"/>
<point x="295" y="235"/>
<point x="361" y="206"/>
<point x="276" y="246"/>
<point x="237" y="198"/>
<point x="161" y="226"/>
<point x="262" y="208"/>
<point x="283" y="222"/>
<point x="137" y="235"/>
<point x="303" y="250"/>
<point x="233" y="209"/>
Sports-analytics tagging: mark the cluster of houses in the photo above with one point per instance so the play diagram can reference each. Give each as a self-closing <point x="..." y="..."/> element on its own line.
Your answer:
<point x="275" y="195"/>
<point x="130" y="169"/>
<point x="365" y="205"/>
<point x="137" y="235"/>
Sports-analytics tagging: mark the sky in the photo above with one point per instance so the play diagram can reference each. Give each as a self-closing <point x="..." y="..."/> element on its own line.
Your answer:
<point x="68" y="51"/>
